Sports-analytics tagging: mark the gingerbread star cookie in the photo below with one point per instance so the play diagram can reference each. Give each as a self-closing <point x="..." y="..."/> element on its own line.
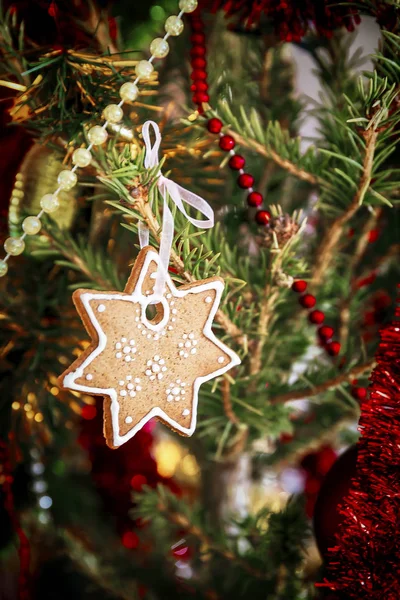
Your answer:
<point x="149" y="366"/>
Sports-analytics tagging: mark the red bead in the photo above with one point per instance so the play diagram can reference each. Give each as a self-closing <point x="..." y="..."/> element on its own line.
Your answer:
<point x="198" y="38"/>
<point x="262" y="217"/>
<point x="316" y="316"/>
<point x="359" y="393"/>
<point x="88" y="412"/>
<point x="299" y="286"/>
<point x="197" y="51"/>
<point x="333" y="348"/>
<point x="245" y="181"/>
<point x="199" y="63"/>
<point x="137" y="482"/>
<point x="307" y="301"/>
<point x="226" y="142"/>
<point x="130" y="539"/>
<point x="193" y="87"/>
<point x="214" y="125"/>
<point x="236" y="162"/>
<point x="255" y="199"/>
<point x="200" y="97"/>
<point x="198" y="75"/>
<point x="325" y="332"/>
<point x="373" y="235"/>
<point x="201" y="86"/>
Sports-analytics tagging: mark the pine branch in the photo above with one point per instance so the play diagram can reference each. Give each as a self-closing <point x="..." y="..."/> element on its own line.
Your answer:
<point x="273" y="155"/>
<point x="326" y="385"/>
<point x="328" y="246"/>
<point x="183" y="522"/>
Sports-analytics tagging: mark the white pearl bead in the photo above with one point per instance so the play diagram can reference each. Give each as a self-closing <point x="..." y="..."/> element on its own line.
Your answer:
<point x="144" y="68"/>
<point x="128" y="91"/>
<point x="159" y="47"/>
<point x="113" y="113"/>
<point x="14" y="246"/>
<point x="81" y="157"/>
<point x="31" y="225"/>
<point x="97" y="135"/>
<point x="67" y="180"/>
<point x="49" y="203"/>
<point x="188" y="6"/>
<point x="3" y="268"/>
<point x="174" y="25"/>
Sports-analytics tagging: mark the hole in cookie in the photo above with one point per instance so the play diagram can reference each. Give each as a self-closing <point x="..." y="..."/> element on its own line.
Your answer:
<point x="154" y="313"/>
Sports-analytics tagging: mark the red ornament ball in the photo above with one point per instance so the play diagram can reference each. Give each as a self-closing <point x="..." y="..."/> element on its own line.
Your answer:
<point x="245" y="181"/>
<point x="335" y="487"/>
<point x="263" y="217"/>
<point x="226" y="143"/>
<point x="333" y="348"/>
<point x="214" y="125"/>
<point x="307" y="301"/>
<point x="316" y="316"/>
<point x="255" y="199"/>
<point x="237" y="162"/>
<point x="325" y="332"/>
<point x="299" y="286"/>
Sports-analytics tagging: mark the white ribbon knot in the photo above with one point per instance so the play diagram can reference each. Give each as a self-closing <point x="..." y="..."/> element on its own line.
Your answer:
<point x="178" y="195"/>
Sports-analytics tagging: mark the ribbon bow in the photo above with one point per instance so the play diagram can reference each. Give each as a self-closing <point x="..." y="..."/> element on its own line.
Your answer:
<point x="178" y="195"/>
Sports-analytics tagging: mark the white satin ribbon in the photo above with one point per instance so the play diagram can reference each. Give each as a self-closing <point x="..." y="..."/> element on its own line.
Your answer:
<point x="178" y="195"/>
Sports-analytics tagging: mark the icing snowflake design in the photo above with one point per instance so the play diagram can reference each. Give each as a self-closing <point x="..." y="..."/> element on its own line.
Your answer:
<point x="188" y="345"/>
<point x="176" y="391"/>
<point x="149" y="368"/>
<point x="125" y="350"/>
<point x="156" y="368"/>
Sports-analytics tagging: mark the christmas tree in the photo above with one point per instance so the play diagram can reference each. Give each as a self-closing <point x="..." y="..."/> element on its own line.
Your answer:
<point x="264" y="367"/>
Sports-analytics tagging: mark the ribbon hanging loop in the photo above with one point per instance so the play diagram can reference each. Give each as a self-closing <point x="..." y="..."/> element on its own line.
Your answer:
<point x="179" y="195"/>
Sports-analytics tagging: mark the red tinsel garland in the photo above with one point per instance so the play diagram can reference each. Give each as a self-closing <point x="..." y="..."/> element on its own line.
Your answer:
<point x="366" y="561"/>
<point x="291" y="18"/>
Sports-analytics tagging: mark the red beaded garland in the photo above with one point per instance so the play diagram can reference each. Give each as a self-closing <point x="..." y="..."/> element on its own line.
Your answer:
<point x="333" y="348"/>
<point x="227" y="142"/>
<point x="263" y="217"/>
<point x="214" y="125"/>
<point x="254" y="199"/>
<point x="299" y="286"/>
<point x="326" y="332"/>
<point x="307" y="301"/>
<point x="316" y="316"/>
<point x="236" y="162"/>
<point x="245" y="181"/>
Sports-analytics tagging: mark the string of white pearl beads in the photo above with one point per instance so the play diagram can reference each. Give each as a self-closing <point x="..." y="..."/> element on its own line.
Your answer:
<point x="97" y="135"/>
